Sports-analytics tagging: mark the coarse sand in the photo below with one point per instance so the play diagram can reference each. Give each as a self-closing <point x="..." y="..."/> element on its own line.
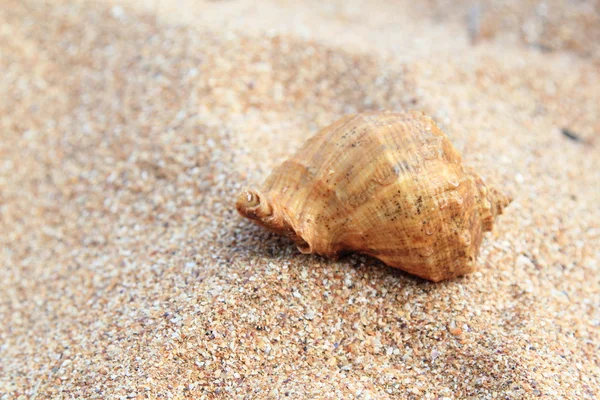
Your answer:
<point x="128" y="128"/>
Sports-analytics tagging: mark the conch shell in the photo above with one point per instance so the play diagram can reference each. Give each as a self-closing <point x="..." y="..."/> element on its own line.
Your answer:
<point x="390" y="185"/>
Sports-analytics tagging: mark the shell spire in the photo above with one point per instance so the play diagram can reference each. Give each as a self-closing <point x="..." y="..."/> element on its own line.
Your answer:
<point x="390" y="185"/>
<point x="254" y="205"/>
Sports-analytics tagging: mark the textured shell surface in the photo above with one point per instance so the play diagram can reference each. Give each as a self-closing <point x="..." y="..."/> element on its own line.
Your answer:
<point x="387" y="184"/>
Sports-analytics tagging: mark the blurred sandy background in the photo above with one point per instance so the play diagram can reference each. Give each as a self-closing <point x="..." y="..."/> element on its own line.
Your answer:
<point x="128" y="127"/>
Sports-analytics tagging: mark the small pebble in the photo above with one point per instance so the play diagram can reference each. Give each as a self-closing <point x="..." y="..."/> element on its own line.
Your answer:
<point x="456" y="331"/>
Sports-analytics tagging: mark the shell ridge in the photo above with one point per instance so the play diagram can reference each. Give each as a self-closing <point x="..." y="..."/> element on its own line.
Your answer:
<point x="319" y="179"/>
<point x="304" y="218"/>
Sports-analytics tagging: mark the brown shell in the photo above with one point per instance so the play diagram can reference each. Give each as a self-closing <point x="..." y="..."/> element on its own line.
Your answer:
<point x="390" y="185"/>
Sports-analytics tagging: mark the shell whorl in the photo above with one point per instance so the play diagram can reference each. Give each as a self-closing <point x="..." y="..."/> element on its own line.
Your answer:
<point x="255" y="205"/>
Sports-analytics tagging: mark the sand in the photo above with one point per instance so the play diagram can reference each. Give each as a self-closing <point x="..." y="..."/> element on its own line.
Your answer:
<point x="127" y="129"/>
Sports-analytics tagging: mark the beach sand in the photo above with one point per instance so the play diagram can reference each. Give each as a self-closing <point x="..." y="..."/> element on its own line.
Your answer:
<point x="127" y="128"/>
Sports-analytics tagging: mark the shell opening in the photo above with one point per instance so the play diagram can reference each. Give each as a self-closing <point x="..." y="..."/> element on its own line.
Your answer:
<point x="498" y="200"/>
<point x="303" y="246"/>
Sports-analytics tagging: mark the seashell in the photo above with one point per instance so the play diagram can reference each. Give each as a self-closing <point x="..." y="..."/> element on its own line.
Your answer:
<point x="390" y="185"/>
